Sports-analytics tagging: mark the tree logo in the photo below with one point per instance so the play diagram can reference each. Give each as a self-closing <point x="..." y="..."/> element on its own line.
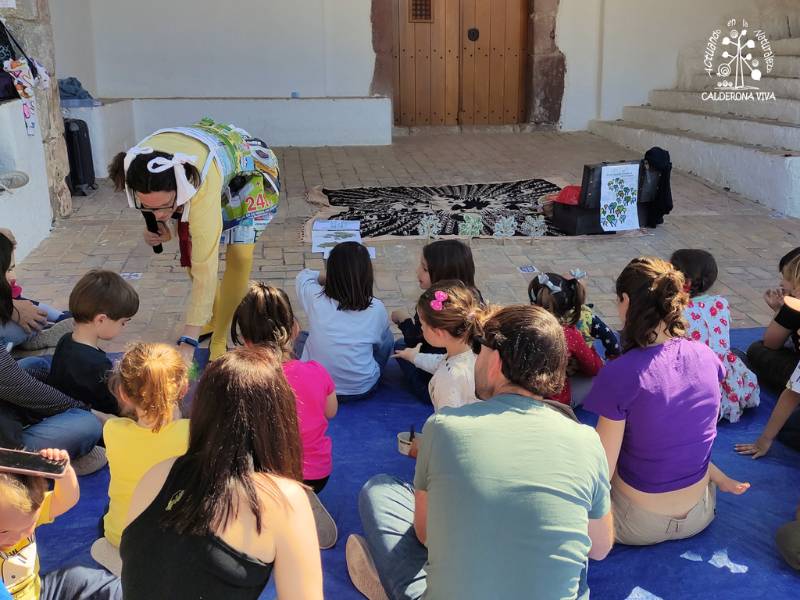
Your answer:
<point x="737" y="60"/>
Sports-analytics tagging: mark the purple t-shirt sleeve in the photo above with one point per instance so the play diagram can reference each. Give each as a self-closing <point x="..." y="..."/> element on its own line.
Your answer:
<point x="613" y="391"/>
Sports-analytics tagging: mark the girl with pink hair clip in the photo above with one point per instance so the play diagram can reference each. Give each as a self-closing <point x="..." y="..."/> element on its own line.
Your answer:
<point x="448" y="312"/>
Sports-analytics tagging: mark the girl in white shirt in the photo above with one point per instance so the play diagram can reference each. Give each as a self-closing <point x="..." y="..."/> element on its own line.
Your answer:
<point x="448" y="314"/>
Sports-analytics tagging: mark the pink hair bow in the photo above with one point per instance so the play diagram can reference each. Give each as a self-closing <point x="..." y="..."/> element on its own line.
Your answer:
<point x="439" y="299"/>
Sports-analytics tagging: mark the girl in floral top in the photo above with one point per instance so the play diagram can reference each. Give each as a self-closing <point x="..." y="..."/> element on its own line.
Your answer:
<point x="709" y="320"/>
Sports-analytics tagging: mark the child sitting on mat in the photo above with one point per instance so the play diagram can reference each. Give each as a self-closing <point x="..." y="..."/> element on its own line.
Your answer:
<point x="25" y="503"/>
<point x="771" y="359"/>
<point x="348" y="327"/>
<point x="709" y="321"/>
<point x="13" y="331"/>
<point x="101" y="303"/>
<point x="265" y="316"/>
<point x="564" y="298"/>
<point x="149" y="382"/>
<point x="440" y="260"/>
<point x="448" y="313"/>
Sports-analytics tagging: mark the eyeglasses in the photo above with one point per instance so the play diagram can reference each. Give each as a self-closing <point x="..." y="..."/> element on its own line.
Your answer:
<point x="149" y="209"/>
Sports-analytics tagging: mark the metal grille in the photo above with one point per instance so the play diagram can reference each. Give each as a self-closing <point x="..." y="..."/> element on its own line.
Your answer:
<point x="421" y="11"/>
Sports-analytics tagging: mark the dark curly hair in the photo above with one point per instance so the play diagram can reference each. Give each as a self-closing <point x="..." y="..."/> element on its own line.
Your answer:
<point x="656" y="293"/>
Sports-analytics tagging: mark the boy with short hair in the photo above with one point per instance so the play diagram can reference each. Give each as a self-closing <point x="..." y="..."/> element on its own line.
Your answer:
<point x="26" y="503"/>
<point x="101" y="304"/>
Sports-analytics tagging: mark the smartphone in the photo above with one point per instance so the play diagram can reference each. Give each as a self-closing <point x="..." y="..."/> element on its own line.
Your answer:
<point x="30" y="463"/>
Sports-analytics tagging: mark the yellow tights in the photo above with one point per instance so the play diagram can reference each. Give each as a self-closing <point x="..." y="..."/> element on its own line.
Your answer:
<point x="238" y="264"/>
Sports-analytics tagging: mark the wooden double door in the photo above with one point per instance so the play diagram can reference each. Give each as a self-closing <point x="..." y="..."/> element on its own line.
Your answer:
<point x="460" y="62"/>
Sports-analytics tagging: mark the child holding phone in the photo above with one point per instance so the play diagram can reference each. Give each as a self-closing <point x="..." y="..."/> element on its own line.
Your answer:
<point x="26" y="503"/>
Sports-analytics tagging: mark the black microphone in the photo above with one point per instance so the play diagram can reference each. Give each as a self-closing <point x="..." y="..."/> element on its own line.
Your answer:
<point x="152" y="226"/>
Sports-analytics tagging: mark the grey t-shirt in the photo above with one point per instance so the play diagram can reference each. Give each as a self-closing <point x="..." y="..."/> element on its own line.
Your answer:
<point x="511" y="485"/>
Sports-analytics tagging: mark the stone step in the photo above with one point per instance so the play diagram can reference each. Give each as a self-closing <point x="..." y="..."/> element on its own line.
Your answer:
<point x="782" y="110"/>
<point x="758" y="132"/>
<point x="786" y="47"/>
<point x="764" y="175"/>
<point x="786" y="66"/>
<point x="783" y="87"/>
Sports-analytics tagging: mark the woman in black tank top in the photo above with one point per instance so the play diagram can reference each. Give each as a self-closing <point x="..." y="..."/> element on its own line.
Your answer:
<point x="210" y="524"/>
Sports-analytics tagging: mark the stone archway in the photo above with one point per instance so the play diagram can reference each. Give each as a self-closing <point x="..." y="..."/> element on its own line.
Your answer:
<point x="546" y="63"/>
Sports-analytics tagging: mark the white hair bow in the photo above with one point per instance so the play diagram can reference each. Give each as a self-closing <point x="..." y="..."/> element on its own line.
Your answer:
<point x="578" y="274"/>
<point x="544" y="280"/>
<point x="184" y="190"/>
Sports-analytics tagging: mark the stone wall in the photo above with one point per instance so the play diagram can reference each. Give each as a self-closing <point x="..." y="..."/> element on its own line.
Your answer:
<point x="546" y="64"/>
<point x="30" y="24"/>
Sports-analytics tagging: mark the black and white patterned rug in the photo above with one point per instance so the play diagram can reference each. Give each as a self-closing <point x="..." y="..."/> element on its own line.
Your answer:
<point x="476" y="209"/>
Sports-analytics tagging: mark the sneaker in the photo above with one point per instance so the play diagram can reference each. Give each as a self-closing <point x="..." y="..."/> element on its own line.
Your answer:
<point x="361" y="569"/>
<point x="326" y="526"/>
<point x="12" y="180"/>
<point x="107" y="555"/>
<point x="48" y="338"/>
<point x="90" y="463"/>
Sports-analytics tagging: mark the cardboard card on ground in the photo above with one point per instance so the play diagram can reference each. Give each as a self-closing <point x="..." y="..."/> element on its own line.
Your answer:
<point x="336" y="225"/>
<point x="321" y="239"/>
<point x="370" y="249"/>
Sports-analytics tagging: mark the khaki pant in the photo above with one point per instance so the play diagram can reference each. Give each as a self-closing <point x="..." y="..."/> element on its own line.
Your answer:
<point x="788" y="539"/>
<point x="638" y="527"/>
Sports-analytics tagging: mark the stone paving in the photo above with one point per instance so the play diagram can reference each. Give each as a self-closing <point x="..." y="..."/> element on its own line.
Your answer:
<point x="746" y="239"/>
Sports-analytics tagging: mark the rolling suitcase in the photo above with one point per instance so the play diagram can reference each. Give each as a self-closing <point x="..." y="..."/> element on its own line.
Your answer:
<point x="79" y="152"/>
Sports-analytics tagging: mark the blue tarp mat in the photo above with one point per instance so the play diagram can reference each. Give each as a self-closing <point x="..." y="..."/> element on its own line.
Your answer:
<point x="364" y="444"/>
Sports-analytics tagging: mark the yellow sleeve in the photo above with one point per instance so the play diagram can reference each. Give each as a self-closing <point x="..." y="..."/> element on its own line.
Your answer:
<point x="44" y="515"/>
<point x="205" y="227"/>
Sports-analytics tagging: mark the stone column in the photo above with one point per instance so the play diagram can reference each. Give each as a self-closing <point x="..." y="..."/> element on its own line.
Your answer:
<point x="546" y="64"/>
<point x="30" y="24"/>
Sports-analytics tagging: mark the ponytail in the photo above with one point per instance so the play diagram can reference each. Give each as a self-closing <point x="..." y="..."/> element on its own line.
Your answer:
<point x="154" y="378"/>
<point x="451" y="306"/>
<point x="566" y="304"/>
<point x="657" y="297"/>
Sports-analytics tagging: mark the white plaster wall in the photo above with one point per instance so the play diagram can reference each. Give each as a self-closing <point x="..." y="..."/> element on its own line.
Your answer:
<point x="618" y="50"/>
<point x="241" y="49"/>
<point x="73" y="37"/>
<point x="280" y="122"/>
<point x="26" y="210"/>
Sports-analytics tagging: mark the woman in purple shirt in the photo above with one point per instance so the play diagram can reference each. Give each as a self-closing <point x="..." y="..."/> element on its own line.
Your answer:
<point x="658" y="405"/>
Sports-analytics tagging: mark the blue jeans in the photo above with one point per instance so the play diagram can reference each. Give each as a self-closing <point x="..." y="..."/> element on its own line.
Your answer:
<point x="81" y="583"/>
<point x="386" y="506"/>
<point x="74" y="430"/>
<point x="11" y="333"/>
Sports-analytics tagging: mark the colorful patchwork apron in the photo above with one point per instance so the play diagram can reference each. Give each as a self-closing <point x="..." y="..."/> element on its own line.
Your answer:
<point x="250" y="177"/>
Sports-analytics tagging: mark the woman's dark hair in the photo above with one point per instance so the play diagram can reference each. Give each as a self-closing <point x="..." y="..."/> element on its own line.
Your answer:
<point x="265" y="316"/>
<point x="449" y="259"/>
<point x="140" y="179"/>
<point x="6" y="300"/>
<point x="348" y="276"/>
<point x="698" y="267"/>
<point x="655" y="289"/>
<point x="243" y="423"/>
<point x="457" y="315"/>
<point x="564" y="305"/>
<point x="532" y="347"/>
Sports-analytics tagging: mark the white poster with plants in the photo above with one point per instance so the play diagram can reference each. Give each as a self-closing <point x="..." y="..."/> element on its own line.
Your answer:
<point x="619" y="193"/>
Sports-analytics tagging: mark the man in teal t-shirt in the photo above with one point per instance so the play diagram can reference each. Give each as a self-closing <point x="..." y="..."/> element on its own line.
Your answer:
<point x="510" y="496"/>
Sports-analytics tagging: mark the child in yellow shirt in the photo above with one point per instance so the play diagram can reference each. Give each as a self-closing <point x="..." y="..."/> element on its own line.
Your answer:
<point x="149" y="383"/>
<point x="25" y="503"/>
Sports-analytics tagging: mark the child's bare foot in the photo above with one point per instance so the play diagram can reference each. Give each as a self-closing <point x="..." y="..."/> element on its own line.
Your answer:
<point x="731" y="486"/>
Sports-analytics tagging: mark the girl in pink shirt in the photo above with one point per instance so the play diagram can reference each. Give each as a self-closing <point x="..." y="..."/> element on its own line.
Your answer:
<point x="265" y="316"/>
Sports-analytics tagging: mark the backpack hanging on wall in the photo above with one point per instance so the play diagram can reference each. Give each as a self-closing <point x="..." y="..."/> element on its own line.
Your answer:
<point x="8" y="90"/>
